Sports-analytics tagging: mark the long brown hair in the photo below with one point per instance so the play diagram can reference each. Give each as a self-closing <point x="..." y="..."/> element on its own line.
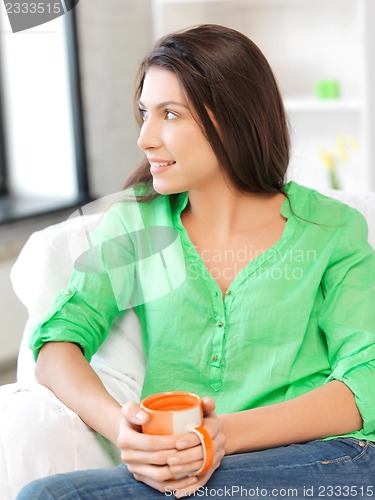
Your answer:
<point x="223" y="72"/>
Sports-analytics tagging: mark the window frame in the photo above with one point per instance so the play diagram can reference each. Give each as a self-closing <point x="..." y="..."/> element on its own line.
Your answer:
<point x="3" y="156"/>
<point x="75" y="83"/>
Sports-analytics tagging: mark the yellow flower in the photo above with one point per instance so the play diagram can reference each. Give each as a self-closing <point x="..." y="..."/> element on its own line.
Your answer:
<point x="328" y="160"/>
<point x="340" y="154"/>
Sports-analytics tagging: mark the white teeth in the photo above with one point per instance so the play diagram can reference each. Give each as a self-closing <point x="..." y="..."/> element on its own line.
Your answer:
<point x="161" y="163"/>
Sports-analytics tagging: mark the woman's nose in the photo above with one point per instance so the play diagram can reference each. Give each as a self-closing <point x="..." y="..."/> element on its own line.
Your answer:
<point x="149" y="136"/>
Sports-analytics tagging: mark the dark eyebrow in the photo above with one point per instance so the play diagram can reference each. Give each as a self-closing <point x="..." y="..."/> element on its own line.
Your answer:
<point x="165" y="104"/>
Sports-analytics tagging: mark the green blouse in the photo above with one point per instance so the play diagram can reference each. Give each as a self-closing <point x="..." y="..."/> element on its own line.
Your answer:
<point x="295" y="317"/>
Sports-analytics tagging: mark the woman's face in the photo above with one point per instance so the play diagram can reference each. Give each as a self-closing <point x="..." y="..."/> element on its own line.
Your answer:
<point x="181" y="159"/>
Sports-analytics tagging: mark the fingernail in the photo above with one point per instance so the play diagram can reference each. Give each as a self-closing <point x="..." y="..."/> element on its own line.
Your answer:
<point x="173" y="461"/>
<point x="140" y="416"/>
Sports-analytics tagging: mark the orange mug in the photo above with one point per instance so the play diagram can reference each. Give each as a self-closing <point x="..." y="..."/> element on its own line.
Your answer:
<point x="177" y="413"/>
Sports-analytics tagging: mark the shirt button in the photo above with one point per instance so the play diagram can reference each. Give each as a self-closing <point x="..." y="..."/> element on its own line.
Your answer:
<point x="214" y="358"/>
<point x="220" y="323"/>
<point x="228" y="292"/>
<point x="68" y="292"/>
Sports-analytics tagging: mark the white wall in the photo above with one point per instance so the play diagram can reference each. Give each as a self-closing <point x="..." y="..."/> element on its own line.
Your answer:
<point x="113" y="42"/>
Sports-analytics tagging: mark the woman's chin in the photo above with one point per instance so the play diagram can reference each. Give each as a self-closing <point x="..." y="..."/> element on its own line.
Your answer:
<point x="167" y="188"/>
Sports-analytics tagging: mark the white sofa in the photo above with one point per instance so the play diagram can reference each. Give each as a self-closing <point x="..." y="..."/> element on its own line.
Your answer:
<point x="39" y="435"/>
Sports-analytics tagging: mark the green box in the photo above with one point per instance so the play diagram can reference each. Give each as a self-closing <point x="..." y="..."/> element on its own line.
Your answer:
<point x="327" y="89"/>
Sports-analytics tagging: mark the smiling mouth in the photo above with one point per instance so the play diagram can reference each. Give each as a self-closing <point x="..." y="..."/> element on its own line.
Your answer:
<point x="159" y="164"/>
<point x="157" y="167"/>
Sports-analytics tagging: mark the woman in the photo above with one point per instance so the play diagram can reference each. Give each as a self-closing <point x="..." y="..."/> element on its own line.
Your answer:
<point x="273" y="321"/>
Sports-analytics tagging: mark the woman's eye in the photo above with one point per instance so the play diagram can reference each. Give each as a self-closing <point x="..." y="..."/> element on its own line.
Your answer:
<point x="143" y="113"/>
<point x="170" y="115"/>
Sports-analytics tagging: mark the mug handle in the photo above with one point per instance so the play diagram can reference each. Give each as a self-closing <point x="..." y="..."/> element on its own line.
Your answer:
<point x="208" y="449"/>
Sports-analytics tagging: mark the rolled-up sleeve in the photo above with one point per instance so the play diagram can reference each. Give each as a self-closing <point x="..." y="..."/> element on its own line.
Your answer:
<point x="84" y="312"/>
<point x="347" y="316"/>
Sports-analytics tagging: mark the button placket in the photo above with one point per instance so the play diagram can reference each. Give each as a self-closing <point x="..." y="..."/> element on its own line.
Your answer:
<point x="221" y="306"/>
<point x="216" y="360"/>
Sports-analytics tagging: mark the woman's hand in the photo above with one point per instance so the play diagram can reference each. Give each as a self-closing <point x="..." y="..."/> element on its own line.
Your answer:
<point x="158" y="460"/>
<point x="146" y="455"/>
<point x="189" y="456"/>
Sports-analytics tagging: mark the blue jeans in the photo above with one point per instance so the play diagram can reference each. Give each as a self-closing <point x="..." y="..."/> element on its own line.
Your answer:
<point x="338" y="468"/>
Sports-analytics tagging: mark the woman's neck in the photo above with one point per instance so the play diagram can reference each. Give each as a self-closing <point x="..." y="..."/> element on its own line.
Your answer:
<point x="226" y="212"/>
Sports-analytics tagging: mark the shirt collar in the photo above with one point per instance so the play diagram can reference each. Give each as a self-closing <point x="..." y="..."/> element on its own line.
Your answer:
<point x="292" y="202"/>
<point x="179" y="204"/>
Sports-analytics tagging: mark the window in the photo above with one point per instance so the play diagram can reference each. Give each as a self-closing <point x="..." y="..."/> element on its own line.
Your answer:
<point x="42" y="159"/>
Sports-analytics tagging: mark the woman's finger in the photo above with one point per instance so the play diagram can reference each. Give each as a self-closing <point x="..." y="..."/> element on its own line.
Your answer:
<point x="178" y="471"/>
<point x="208" y="405"/>
<point x="159" y="474"/>
<point x="133" y="413"/>
<point x="161" y="457"/>
<point x="201" y="480"/>
<point x="132" y="439"/>
<point x="187" y="456"/>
